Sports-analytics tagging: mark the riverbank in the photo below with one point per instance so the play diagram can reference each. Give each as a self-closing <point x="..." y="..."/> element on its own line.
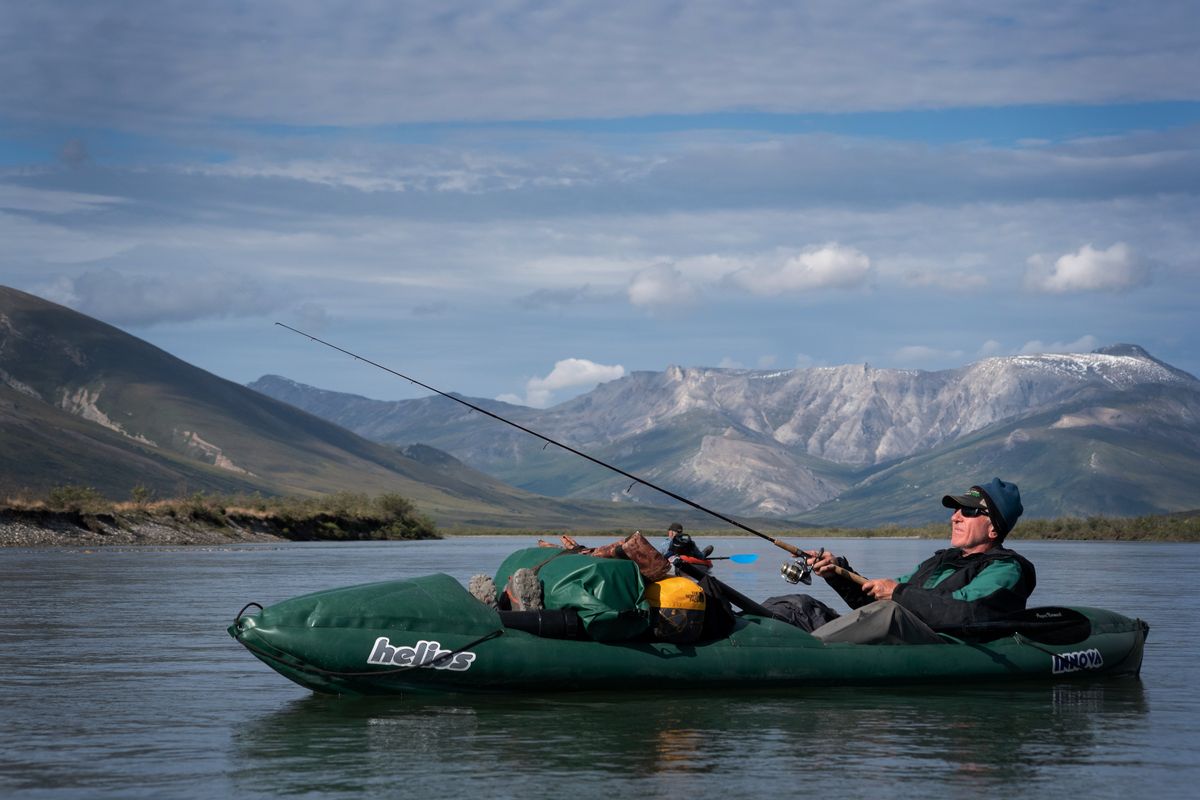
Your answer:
<point x="20" y="528"/>
<point x="46" y="528"/>
<point x="203" y="520"/>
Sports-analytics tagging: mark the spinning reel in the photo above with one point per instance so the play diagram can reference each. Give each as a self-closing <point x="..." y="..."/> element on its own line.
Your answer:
<point x="799" y="571"/>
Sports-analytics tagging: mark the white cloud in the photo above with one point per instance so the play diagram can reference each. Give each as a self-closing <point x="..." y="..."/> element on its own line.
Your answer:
<point x="1088" y="270"/>
<point x="1084" y="344"/>
<point x="569" y="373"/>
<point x="121" y="299"/>
<point x="659" y="286"/>
<point x="831" y="266"/>
<point x="51" y="201"/>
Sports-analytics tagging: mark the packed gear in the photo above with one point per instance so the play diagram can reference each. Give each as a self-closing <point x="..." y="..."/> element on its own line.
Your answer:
<point x="617" y="592"/>
<point x="677" y="610"/>
<point x="608" y="594"/>
<point x="652" y="564"/>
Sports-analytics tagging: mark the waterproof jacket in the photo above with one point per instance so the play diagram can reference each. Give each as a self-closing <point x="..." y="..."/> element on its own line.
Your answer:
<point x="950" y="589"/>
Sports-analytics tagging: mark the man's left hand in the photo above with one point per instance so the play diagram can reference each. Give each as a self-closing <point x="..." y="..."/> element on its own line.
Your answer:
<point x="880" y="589"/>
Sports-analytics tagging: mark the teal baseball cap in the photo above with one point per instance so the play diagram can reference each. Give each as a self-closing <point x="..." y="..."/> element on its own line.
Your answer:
<point x="1001" y="499"/>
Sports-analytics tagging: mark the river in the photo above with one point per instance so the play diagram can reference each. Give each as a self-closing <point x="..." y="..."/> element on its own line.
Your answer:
<point x="117" y="679"/>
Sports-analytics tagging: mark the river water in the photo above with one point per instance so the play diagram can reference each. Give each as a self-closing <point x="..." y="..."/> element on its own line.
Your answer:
<point x="117" y="679"/>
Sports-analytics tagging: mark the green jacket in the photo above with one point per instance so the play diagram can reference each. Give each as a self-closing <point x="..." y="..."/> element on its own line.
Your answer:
<point x="950" y="589"/>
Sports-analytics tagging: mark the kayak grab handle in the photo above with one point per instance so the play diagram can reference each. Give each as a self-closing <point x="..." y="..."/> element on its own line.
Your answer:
<point x="238" y="617"/>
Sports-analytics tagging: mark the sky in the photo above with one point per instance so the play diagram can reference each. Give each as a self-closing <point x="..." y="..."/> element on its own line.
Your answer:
<point x="521" y="199"/>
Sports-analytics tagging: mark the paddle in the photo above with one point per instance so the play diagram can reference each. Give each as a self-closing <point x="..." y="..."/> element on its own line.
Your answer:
<point x="1052" y="625"/>
<point x="739" y="558"/>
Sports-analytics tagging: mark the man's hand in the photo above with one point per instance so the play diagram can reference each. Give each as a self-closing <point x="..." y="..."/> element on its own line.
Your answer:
<point x="880" y="589"/>
<point x="822" y="562"/>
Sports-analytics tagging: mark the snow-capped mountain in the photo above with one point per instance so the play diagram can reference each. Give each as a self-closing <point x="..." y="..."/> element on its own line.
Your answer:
<point x="784" y="442"/>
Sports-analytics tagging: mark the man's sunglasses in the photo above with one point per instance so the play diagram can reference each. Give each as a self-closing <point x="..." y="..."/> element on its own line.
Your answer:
<point x="973" y="512"/>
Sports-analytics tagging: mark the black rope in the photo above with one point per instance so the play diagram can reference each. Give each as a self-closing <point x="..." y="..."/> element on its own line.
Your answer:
<point x="295" y="663"/>
<point x="243" y="611"/>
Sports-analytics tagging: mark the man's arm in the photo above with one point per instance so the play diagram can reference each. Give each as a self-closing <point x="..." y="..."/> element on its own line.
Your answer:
<point x="825" y="563"/>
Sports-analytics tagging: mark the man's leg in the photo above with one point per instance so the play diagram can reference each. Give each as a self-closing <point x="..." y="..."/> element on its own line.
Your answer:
<point x="881" y="622"/>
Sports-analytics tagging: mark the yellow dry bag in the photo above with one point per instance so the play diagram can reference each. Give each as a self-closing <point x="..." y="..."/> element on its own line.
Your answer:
<point x="676" y="609"/>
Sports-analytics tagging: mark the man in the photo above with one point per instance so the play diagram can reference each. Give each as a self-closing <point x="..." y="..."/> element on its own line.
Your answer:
<point x="976" y="579"/>
<point x="680" y="543"/>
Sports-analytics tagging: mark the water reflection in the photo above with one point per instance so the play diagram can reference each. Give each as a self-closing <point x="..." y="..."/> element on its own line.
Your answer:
<point x="678" y="743"/>
<point x="118" y="680"/>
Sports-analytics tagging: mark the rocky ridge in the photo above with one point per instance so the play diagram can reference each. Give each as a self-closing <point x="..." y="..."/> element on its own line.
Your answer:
<point x="773" y="442"/>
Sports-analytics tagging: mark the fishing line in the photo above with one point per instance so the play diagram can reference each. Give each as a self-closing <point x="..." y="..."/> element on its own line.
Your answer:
<point x="793" y="550"/>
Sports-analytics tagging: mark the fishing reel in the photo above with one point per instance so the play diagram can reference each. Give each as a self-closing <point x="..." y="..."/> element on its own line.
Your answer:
<point x="797" y="571"/>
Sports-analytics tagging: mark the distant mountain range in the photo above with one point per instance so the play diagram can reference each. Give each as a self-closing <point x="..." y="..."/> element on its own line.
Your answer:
<point x="84" y="403"/>
<point x="1114" y="431"/>
<point x="1110" y="432"/>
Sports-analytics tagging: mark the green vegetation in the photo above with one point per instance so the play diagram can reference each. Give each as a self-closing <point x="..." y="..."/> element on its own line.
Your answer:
<point x="76" y="499"/>
<point x="1183" y="526"/>
<point x="341" y="516"/>
<point x="352" y="516"/>
<point x="1180" y="527"/>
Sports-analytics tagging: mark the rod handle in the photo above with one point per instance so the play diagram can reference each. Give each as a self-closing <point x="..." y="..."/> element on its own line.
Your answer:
<point x="796" y="552"/>
<point x="842" y="572"/>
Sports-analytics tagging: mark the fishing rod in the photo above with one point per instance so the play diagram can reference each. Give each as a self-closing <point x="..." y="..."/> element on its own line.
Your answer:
<point x="792" y="549"/>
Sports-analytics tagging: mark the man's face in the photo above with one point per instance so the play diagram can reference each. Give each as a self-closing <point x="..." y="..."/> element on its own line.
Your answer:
<point x="971" y="534"/>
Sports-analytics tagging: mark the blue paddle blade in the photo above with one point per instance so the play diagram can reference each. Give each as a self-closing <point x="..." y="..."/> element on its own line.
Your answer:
<point x="744" y="558"/>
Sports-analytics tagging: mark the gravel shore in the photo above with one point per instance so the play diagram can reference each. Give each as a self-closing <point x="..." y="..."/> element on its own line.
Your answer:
<point x="47" y="529"/>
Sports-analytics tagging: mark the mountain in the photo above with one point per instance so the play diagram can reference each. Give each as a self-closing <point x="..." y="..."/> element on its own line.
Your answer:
<point x="82" y="402"/>
<point x="850" y="445"/>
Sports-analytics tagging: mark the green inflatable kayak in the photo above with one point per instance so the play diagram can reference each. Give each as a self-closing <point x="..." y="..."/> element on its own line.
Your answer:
<point x="430" y="635"/>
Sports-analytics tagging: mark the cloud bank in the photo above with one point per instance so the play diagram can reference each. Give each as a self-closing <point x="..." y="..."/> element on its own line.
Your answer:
<point x="377" y="63"/>
<point x="140" y="300"/>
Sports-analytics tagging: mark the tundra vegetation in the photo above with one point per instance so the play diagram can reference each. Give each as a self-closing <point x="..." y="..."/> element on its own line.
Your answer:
<point x="340" y="516"/>
<point x="1183" y="526"/>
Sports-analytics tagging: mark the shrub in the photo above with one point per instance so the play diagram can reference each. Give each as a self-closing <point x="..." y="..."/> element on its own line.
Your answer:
<point x="141" y="496"/>
<point x="202" y="508"/>
<point x="394" y="506"/>
<point x="79" y="499"/>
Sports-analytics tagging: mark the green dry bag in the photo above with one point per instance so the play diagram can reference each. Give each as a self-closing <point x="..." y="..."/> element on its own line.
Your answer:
<point x="607" y="593"/>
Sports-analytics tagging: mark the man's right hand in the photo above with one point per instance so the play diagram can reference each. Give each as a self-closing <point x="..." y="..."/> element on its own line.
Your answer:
<point x="822" y="562"/>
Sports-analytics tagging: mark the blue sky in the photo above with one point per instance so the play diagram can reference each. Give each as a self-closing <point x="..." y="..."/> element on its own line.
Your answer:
<point x="519" y="199"/>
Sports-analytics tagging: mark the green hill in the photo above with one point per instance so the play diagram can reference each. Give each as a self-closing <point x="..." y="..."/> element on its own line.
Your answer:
<point x="82" y="402"/>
